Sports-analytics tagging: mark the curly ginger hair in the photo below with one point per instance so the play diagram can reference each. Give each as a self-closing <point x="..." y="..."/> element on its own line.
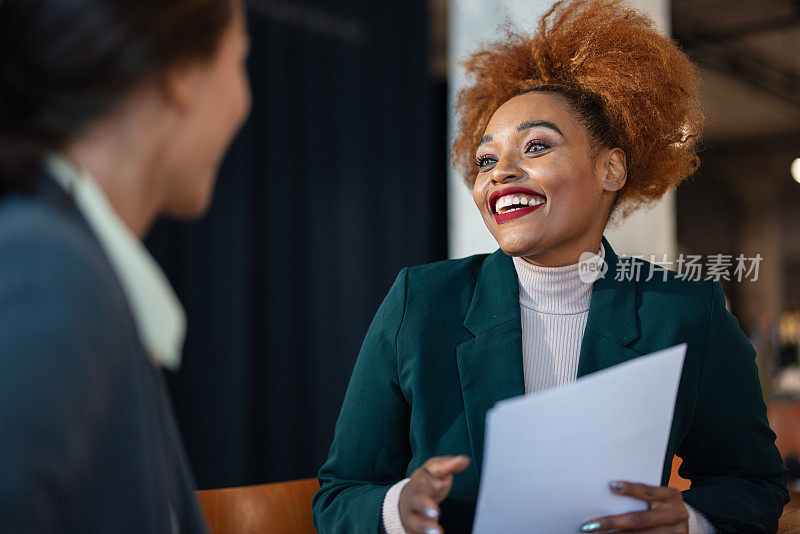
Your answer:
<point x="632" y="88"/>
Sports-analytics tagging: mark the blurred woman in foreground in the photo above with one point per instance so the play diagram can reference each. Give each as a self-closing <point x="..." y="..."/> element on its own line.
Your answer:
<point x="595" y="114"/>
<point x="112" y="112"/>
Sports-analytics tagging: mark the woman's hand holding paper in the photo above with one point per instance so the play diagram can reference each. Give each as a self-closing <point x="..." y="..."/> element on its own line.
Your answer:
<point x="667" y="512"/>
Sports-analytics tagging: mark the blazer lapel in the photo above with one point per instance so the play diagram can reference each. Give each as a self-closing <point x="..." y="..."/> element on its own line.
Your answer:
<point x="612" y="324"/>
<point x="490" y="364"/>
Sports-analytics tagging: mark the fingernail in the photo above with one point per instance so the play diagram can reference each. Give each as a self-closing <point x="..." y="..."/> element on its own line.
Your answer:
<point x="431" y="530"/>
<point x="430" y="512"/>
<point x="590" y="527"/>
<point x="616" y="485"/>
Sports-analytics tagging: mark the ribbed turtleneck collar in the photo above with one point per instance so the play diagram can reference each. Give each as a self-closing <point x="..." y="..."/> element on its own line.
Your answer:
<point x="554" y="290"/>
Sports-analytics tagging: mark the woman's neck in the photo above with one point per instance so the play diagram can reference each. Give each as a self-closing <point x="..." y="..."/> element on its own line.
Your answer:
<point x="563" y="290"/>
<point x="568" y="253"/>
<point x="121" y="159"/>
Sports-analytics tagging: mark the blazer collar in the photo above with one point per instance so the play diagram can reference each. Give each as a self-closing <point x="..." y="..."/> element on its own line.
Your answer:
<point x="490" y="363"/>
<point x="612" y="324"/>
<point x="157" y="312"/>
<point x="612" y="308"/>
<point x="496" y="297"/>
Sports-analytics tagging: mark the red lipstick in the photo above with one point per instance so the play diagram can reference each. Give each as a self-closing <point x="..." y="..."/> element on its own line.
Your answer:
<point x="502" y="218"/>
<point x="505" y="217"/>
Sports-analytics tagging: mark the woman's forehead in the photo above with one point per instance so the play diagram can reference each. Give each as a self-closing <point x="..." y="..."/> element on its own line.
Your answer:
<point x="522" y="111"/>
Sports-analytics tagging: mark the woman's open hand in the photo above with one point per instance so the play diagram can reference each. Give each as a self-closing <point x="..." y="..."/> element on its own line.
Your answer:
<point x="667" y="514"/>
<point x="429" y="485"/>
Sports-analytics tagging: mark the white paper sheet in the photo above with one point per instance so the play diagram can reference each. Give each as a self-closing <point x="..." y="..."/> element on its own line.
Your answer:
<point x="549" y="456"/>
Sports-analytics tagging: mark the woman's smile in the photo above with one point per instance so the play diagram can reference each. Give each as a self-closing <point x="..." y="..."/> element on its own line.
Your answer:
<point x="513" y="202"/>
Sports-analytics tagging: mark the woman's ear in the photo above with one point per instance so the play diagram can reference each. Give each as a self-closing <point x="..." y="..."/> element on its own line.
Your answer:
<point x="614" y="169"/>
<point x="179" y="85"/>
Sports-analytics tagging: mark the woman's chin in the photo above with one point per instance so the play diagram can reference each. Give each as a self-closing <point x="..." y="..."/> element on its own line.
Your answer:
<point x="517" y="237"/>
<point x="516" y="245"/>
<point x="191" y="206"/>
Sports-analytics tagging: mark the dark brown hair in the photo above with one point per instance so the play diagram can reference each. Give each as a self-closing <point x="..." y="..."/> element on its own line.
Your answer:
<point x="66" y="62"/>
<point x="630" y="86"/>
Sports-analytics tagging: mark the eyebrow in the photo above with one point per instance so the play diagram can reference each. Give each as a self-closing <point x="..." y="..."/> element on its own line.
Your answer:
<point x="533" y="124"/>
<point x="486" y="139"/>
<point x="527" y="126"/>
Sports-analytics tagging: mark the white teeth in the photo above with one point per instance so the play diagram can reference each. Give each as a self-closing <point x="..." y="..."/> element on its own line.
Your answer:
<point x="519" y="201"/>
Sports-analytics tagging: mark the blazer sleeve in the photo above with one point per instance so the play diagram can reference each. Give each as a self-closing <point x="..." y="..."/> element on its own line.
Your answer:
<point x="54" y="359"/>
<point x="738" y="480"/>
<point x="370" y="450"/>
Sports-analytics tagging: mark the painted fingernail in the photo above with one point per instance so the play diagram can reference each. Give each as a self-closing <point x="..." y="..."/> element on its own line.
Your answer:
<point x="590" y="527"/>
<point x="431" y="530"/>
<point x="617" y="485"/>
<point x="430" y="512"/>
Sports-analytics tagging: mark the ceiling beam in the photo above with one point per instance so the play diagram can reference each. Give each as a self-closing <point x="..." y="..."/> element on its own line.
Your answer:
<point x="752" y="68"/>
<point x="693" y="18"/>
<point x="748" y="29"/>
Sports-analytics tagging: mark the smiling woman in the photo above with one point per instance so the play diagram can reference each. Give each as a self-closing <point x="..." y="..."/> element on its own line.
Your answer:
<point x="536" y="147"/>
<point x="593" y="115"/>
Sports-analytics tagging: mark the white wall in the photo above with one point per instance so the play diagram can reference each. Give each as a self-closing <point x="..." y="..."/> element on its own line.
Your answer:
<point x="473" y="22"/>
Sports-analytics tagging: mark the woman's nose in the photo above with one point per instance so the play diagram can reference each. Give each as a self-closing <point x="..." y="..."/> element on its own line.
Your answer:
<point x="505" y="173"/>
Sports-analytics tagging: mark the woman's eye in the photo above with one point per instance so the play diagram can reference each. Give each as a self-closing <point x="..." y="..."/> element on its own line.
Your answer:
<point x="484" y="162"/>
<point x="536" y="146"/>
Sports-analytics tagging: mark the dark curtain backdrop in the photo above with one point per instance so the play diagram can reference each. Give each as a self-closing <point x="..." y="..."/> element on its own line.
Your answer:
<point x="336" y="182"/>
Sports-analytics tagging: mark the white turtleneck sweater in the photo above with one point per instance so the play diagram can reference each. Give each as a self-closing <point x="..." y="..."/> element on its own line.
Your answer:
<point x="554" y="305"/>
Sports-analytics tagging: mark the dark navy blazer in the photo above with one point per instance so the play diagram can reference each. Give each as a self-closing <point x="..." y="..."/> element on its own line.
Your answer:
<point x="88" y="441"/>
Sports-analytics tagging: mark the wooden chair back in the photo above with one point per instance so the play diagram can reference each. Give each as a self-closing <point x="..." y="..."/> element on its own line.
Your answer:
<point x="784" y="418"/>
<point x="279" y="508"/>
<point x="790" y="523"/>
<point x="285" y="508"/>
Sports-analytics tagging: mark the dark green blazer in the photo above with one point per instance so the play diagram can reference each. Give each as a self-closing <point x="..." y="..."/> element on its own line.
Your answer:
<point x="446" y="345"/>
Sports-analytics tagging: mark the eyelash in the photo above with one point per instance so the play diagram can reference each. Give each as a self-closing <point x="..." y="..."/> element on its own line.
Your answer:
<point x="479" y="162"/>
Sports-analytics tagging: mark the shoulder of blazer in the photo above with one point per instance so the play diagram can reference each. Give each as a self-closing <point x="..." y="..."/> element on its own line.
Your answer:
<point x="668" y="286"/>
<point x="445" y="296"/>
<point x="432" y="274"/>
<point x="442" y="278"/>
<point x="668" y="298"/>
<point x="47" y="229"/>
<point x="450" y="280"/>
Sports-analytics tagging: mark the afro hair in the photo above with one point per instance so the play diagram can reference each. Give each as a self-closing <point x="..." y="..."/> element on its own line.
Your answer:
<point x="606" y="54"/>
